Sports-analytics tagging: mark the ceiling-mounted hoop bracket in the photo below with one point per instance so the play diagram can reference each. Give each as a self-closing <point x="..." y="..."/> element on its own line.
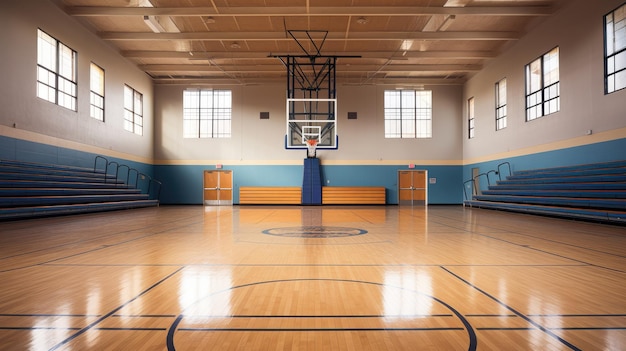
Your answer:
<point x="311" y="91"/>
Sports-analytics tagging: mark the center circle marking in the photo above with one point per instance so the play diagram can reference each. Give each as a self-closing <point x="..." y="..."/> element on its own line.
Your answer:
<point x="315" y="231"/>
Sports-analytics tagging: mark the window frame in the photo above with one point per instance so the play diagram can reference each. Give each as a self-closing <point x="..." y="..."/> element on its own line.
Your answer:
<point x="614" y="56"/>
<point x="545" y="99"/>
<point x="133" y="111"/>
<point x="417" y="114"/>
<point x="501" y="104"/>
<point x="471" y="118"/>
<point x="56" y="82"/>
<point x="208" y="115"/>
<point x="96" y="98"/>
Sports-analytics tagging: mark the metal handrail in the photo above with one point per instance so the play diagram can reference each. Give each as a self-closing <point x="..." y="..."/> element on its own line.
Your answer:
<point x="465" y="186"/>
<point x="475" y="189"/>
<point x="159" y="188"/>
<point x="491" y="171"/>
<point x="502" y="164"/>
<point x="151" y="180"/>
<point x="136" y="176"/>
<point x="106" y="165"/>
<point x="116" y="168"/>
<point x="117" y="174"/>
<point x="483" y="174"/>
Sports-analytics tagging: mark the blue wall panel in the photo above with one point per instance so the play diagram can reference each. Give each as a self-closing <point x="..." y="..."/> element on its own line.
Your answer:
<point x="183" y="184"/>
<point x="614" y="150"/>
<point x="28" y="151"/>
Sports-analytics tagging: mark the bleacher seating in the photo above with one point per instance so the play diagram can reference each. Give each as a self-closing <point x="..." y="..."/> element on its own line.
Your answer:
<point x="594" y="192"/>
<point x="31" y="190"/>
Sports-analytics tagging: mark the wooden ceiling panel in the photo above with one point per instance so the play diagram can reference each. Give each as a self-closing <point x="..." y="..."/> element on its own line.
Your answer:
<point x="395" y="40"/>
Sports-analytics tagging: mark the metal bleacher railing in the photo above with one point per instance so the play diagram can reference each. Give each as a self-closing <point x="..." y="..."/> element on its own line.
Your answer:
<point x="115" y="178"/>
<point x="474" y="186"/>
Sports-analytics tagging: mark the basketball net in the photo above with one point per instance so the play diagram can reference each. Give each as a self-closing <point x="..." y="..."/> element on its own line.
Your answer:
<point x="311" y="144"/>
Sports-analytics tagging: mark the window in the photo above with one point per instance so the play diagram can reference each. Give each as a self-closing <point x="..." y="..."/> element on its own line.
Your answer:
<point x="501" y="104"/>
<point x="96" y="96"/>
<point x="207" y="113"/>
<point x="615" y="50"/>
<point x="56" y="71"/>
<point x="408" y="114"/>
<point x="542" y="86"/>
<point x="470" y="118"/>
<point x="133" y="110"/>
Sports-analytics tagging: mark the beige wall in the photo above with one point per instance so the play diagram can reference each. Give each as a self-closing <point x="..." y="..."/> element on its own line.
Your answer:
<point x="42" y="121"/>
<point x="577" y="29"/>
<point x="256" y="141"/>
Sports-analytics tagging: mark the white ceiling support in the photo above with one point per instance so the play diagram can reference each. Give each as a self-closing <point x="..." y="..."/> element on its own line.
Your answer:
<point x="200" y="55"/>
<point x="280" y="69"/>
<point x="386" y="42"/>
<point x="153" y="23"/>
<point x="354" y="11"/>
<point x="278" y="36"/>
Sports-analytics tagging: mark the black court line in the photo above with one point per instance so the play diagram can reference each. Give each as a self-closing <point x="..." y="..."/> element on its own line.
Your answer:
<point x="472" y="342"/>
<point x="132" y="329"/>
<point x="39" y="328"/>
<point x="589" y="328"/>
<point x="92" y="325"/>
<point x="577" y="315"/>
<point x="492" y="315"/>
<point x="101" y="247"/>
<point x="315" y="244"/>
<point x="527" y="319"/>
<point x="144" y="315"/>
<point x="505" y="329"/>
<point x="508" y="231"/>
<point x="314" y="329"/>
<point x="93" y="238"/>
<point x="320" y="316"/>
<point x="536" y="249"/>
<point x="47" y="315"/>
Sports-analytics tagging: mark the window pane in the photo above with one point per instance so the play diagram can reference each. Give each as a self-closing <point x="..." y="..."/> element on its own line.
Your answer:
<point x="46" y="51"/>
<point x="407" y="113"/>
<point x="210" y="111"/>
<point x="551" y="67"/>
<point x="620" y="80"/>
<point x="67" y="62"/>
<point x="619" y="23"/>
<point x="533" y="76"/>
<point x="128" y="98"/>
<point x="615" y="52"/>
<point x="97" y="79"/>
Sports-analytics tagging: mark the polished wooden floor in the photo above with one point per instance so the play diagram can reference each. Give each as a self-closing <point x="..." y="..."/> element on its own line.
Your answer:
<point x="311" y="278"/>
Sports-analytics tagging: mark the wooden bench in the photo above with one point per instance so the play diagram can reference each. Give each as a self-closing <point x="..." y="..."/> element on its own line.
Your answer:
<point x="270" y="195"/>
<point x="353" y="195"/>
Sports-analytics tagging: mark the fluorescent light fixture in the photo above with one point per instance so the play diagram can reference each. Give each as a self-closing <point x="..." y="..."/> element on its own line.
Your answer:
<point x="153" y="23"/>
<point x="447" y="22"/>
<point x="406" y="45"/>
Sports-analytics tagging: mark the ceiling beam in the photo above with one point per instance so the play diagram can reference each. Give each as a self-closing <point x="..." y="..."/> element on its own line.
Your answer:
<point x="405" y="82"/>
<point x="201" y="55"/>
<point x="331" y="36"/>
<point x="235" y="69"/>
<point x="310" y="11"/>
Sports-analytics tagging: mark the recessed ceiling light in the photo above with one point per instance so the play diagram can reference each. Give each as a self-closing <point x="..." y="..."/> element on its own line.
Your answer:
<point x="235" y="45"/>
<point x="362" y="20"/>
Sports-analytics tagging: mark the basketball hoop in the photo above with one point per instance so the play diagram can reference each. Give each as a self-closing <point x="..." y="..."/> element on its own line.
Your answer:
<point x="311" y="144"/>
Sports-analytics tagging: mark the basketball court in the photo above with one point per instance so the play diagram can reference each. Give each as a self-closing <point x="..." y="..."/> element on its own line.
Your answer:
<point x="311" y="278"/>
